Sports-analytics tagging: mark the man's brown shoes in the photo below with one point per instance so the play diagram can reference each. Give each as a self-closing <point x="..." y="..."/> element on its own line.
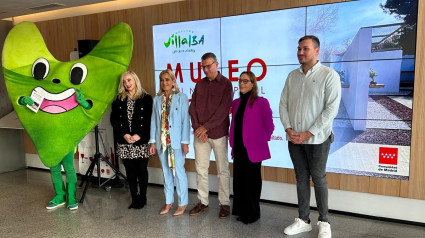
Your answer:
<point x="198" y="208"/>
<point x="224" y="211"/>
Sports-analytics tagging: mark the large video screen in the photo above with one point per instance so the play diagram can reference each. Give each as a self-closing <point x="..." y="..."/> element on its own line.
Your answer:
<point x="370" y="43"/>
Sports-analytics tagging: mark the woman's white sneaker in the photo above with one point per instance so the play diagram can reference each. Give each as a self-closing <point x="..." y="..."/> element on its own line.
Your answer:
<point x="324" y="229"/>
<point x="297" y="227"/>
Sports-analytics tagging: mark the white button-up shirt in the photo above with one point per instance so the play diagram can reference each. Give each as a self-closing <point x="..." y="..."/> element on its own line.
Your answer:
<point x="310" y="102"/>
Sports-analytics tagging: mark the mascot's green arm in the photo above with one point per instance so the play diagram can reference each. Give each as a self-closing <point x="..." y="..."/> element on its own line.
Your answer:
<point x="81" y="100"/>
<point x="25" y="100"/>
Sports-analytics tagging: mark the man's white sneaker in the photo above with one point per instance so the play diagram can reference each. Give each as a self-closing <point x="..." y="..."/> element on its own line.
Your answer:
<point x="297" y="227"/>
<point x="324" y="229"/>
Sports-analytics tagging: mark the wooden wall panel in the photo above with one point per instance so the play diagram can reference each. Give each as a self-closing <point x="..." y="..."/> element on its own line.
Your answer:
<point x="116" y="16"/>
<point x="64" y="27"/>
<point x="354" y="183"/>
<point x="137" y="23"/>
<point x="79" y="23"/>
<point x="88" y="28"/>
<point x="231" y="169"/>
<point x="387" y="187"/>
<point x="61" y="36"/>
<point x="291" y="176"/>
<point x="146" y="64"/>
<point x="172" y="12"/>
<point x="334" y="180"/>
<point x="190" y="165"/>
<point x="302" y="3"/>
<point x="106" y="21"/>
<point x="275" y="174"/>
<point x="213" y="168"/>
<point x="189" y="10"/>
<point x="404" y="188"/>
<point x="417" y="162"/>
<point x="209" y="9"/>
<point x="154" y="162"/>
<point x="329" y="1"/>
<point x="249" y="6"/>
<point x="230" y="8"/>
<point x="142" y="60"/>
<point x="283" y="175"/>
<point x="279" y="4"/>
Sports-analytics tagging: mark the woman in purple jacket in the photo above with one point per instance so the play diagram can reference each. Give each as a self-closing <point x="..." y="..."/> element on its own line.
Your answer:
<point x="250" y="131"/>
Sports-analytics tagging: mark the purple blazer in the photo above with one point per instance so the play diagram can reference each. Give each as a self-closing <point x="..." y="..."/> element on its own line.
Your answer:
<point x="257" y="128"/>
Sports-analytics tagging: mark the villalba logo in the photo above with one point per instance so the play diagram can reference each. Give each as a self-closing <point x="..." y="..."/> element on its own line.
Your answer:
<point x="184" y="41"/>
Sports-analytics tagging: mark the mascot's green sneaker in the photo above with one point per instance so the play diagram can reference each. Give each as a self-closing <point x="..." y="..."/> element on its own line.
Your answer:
<point x="59" y="199"/>
<point x="71" y="189"/>
<point x="53" y="205"/>
<point x="73" y="207"/>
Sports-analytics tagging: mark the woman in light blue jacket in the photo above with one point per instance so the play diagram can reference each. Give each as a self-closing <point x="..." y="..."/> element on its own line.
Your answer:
<point x="170" y="130"/>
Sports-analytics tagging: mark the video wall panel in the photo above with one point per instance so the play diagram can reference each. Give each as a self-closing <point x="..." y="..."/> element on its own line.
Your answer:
<point x="370" y="48"/>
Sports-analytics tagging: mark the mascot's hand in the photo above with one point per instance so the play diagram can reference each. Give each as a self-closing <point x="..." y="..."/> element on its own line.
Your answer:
<point x="25" y="100"/>
<point x="81" y="100"/>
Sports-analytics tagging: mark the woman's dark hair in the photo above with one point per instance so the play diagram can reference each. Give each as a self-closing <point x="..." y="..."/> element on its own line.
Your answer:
<point x="254" y="91"/>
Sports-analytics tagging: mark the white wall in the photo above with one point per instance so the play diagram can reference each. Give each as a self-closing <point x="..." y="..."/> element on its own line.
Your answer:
<point x="355" y="97"/>
<point x="388" y="67"/>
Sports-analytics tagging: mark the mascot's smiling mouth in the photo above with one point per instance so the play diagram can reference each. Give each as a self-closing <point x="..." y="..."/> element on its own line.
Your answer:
<point x="59" y="102"/>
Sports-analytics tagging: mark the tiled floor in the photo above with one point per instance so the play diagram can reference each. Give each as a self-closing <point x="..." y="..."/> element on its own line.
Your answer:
<point x="24" y="194"/>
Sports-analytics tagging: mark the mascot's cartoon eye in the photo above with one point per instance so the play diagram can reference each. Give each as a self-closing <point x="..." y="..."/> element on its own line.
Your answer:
<point x="40" y="69"/>
<point x="78" y="73"/>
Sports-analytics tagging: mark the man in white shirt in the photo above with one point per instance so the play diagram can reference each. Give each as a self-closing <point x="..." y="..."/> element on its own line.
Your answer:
<point x="308" y="105"/>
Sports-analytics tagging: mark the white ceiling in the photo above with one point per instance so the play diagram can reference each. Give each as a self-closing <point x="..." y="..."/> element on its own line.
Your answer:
<point x="14" y="8"/>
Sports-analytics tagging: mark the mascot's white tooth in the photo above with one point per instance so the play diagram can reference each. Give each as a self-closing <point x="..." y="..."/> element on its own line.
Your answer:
<point x="55" y="96"/>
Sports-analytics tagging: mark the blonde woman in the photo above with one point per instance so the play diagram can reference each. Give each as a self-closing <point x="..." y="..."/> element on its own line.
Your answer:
<point x="170" y="128"/>
<point x="130" y="119"/>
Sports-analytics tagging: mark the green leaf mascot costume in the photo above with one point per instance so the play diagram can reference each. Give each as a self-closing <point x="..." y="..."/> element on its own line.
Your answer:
<point x="74" y="94"/>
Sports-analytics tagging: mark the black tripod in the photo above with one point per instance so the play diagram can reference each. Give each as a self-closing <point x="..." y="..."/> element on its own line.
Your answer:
<point x="96" y="161"/>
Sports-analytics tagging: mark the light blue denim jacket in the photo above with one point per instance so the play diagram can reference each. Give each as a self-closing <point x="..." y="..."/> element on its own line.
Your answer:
<point x="179" y="121"/>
